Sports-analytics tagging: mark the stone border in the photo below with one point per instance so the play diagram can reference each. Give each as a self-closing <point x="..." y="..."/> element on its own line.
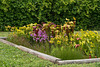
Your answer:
<point x="80" y="61"/>
<point x="48" y="57"/>
<point x="3" y="38"/>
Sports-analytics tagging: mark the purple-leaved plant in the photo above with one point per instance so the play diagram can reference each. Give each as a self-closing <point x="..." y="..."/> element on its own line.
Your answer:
<point x="40" y="36"/>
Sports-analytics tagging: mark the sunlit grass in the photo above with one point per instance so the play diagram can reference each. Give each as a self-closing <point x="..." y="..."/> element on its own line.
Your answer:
<point x="4" y="34"/>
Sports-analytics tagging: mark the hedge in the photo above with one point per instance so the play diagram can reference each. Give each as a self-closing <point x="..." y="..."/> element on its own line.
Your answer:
<point x="22" y="12"/>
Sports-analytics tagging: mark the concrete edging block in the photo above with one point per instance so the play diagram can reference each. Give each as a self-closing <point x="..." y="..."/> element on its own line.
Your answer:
<point x="3" y="37"/>
<point x="79" y="61"/>
<point x="9" y="43"/>
<point x="39" y="54"/>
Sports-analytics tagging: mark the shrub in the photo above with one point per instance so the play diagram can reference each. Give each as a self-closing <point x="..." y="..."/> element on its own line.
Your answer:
<point x="23" y="12"/>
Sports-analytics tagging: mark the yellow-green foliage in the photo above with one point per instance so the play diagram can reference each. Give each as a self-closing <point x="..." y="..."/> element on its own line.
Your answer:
<point x="88" y="41"/>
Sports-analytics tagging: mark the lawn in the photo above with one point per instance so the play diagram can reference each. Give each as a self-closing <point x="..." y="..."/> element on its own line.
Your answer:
<point x="13" y="57"/>
<point x="4" y="34"/>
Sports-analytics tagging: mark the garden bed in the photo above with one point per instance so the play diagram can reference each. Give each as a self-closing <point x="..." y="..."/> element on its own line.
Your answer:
<point x="56" y="41"/>
<point x="48" y="57"/>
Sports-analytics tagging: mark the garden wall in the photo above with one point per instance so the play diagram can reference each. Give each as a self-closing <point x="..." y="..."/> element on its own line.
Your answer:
<point x="23" y="12"/>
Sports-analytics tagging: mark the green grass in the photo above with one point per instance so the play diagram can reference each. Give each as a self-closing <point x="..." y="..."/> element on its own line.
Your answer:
<point x="67" y="53"/>
<point x="4" y="34"/>
<point x="13" y="57"/>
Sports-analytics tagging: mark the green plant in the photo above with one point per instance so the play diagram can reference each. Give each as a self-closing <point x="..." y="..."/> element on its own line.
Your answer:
<point x="20" y="40"/>
<point x="67" y="53"/>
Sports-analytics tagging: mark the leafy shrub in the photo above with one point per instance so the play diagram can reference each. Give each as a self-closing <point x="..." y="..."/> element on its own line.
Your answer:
<point x="23" y="12"/>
